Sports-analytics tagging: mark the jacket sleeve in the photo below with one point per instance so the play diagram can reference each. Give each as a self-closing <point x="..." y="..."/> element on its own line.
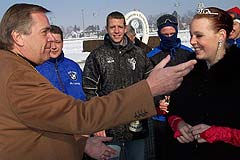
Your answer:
<point x="91" y="77"/>
<point x="149" y="66"/>
<point x="173" y="122"/>
<point x="225" y="134"/>
<point x="38" y="105"/>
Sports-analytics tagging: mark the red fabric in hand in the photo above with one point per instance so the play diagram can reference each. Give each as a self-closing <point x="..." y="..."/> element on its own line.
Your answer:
<point x="177" y="134"/>
<point x="173" y="122"/>
<point x="225" y="134"/>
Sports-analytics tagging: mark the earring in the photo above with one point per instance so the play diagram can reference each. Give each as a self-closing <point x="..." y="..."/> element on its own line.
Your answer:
<point x="218" y="54"/>
<point x="219" y="44"/>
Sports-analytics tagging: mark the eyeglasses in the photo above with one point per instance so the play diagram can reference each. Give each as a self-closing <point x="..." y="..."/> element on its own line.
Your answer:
<point x="169" y="19"/>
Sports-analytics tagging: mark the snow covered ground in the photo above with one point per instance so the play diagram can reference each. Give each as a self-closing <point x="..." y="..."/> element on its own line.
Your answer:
<point x="73" y="48"/>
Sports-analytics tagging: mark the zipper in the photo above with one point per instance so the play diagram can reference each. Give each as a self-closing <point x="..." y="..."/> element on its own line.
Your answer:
<point x="59" y="77"/>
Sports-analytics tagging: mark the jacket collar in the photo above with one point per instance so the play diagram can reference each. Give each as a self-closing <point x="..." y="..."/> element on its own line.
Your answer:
<point x="59" y="59"/>
<point x="127" y="44"/>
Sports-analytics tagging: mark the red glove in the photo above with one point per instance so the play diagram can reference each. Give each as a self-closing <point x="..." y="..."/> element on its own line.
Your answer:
<point x="225" y="134"/>
<point x="173" y="122"/>
<point x="177" y="134"/>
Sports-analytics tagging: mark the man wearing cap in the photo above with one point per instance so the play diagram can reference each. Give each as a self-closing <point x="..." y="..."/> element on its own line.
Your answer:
<point x="234" y="38"/>
<point x="169" y="45"/>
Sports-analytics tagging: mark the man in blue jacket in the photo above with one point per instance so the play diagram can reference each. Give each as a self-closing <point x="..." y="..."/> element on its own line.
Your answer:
<point x="63" y="73"/>
<point x="66" y="75"/>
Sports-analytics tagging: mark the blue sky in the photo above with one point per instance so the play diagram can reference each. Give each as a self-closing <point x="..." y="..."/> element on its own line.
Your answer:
<point x="70" y="12"/>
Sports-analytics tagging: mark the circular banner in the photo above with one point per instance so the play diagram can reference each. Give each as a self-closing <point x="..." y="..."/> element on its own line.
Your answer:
<point x="139" y="23"/>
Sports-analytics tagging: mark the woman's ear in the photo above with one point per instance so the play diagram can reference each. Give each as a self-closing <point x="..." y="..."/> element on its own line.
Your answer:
<point x="222" y="35"/>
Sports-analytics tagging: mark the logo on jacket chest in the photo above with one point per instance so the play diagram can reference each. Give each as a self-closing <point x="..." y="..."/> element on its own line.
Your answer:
<point x="109" y="59"/>
<point x="132" y="62"/>
<point x="73" y="75"/>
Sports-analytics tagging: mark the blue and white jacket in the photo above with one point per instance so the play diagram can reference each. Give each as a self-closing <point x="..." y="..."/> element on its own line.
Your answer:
<point x="234" y="42"/>
<point x="65" y="75"/>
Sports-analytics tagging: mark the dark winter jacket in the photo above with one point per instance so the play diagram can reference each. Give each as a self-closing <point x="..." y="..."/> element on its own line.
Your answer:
<point x="111" y="67"/>
<point x="234" y="42"/>
<point x="209" y="96"/>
